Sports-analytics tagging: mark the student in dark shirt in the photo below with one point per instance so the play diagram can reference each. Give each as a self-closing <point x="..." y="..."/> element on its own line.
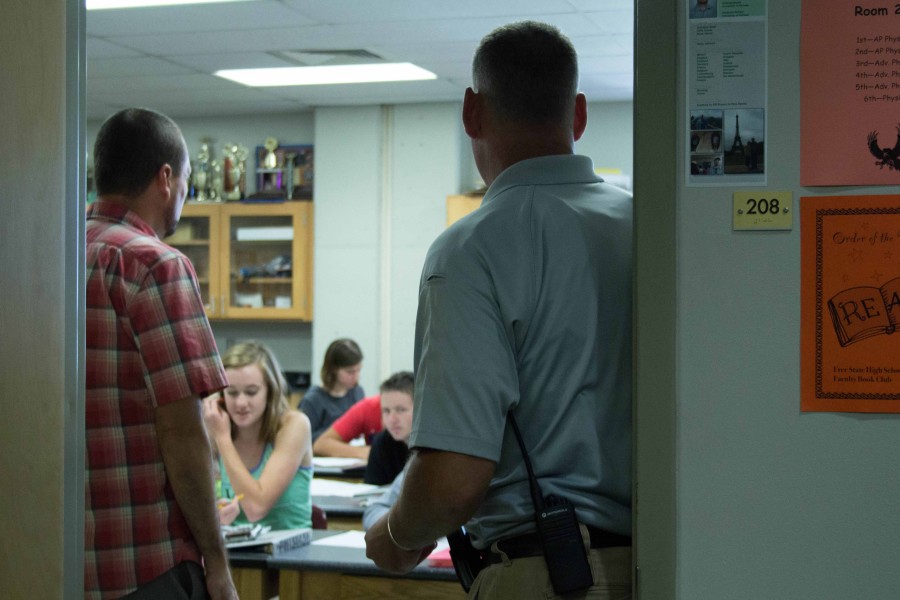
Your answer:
<point x="340" y="388"/>
<point x="389" y="447"/>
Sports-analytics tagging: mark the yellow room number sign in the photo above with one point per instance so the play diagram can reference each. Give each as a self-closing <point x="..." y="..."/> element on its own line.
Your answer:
<point x="763" y="211"/>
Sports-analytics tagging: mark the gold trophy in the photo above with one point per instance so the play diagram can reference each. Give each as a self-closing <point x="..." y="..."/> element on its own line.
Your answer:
<point x="270" y="161"/>
<point x="235" y="168"/>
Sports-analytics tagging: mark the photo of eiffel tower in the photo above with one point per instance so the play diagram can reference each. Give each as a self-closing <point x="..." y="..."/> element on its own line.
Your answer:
<point x="737" y="146"/>
<point x="746" y="128"/>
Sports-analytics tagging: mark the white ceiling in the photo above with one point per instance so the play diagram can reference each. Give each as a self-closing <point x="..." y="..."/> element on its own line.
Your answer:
<point x="163" y="58"/>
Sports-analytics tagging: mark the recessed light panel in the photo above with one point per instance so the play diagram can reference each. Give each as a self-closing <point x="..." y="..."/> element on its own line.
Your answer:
<point x="327" y="75"/>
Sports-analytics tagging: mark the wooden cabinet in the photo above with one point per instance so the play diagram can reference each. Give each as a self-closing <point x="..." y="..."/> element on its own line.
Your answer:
<point x="253" y="261"/>
<point x="460" y="205"/>
<point x="197" y="237"/>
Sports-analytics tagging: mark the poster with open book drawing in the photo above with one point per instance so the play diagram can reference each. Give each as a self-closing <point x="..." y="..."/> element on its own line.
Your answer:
<point x="850" y="304"/>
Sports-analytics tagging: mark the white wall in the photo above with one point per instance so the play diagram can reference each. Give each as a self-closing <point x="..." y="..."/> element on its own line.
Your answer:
<point x="383" y="174"/>
<point x="608" y="137"/>
<point x="348" y="228"/>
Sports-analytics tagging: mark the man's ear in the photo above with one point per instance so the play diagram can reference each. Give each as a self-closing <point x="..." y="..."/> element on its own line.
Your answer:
<point x="471" y="115"/>
<point x="163" y="179"/>
<point x="579" y="123"/>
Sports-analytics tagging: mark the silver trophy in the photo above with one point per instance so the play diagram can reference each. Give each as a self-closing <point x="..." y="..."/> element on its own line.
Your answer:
<point x="201" y="173"/>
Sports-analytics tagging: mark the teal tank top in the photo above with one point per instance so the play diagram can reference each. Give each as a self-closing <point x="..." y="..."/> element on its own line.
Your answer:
<point x="292" y="511"/>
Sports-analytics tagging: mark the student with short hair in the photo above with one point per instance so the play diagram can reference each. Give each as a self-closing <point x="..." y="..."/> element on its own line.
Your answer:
<point x="390" y="447"/>
<point x="149" y="509"/>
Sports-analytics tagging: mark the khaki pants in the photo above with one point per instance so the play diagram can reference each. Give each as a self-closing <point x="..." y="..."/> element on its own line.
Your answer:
<point x="527" y="578"/>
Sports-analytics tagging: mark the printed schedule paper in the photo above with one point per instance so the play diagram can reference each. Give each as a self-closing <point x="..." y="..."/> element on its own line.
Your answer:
<point x="850" y="93"/>
<point x="850" y="304"/>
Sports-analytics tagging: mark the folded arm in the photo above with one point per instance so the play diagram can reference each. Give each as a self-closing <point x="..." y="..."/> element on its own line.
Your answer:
<point x="291" y="450"/>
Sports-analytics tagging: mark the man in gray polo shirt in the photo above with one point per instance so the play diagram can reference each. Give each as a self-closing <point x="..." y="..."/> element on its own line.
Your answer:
<point x="524" y="308"/>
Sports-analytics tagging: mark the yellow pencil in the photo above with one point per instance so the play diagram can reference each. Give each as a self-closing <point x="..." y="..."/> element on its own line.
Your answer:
<point x="239" y="497"/>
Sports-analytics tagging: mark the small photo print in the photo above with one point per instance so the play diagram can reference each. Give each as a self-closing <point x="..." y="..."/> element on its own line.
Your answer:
<point x="707" y="164"/>
<point x="706" y="141"/>
<point x="743" y="137"/>
<point x="706" y="119"/>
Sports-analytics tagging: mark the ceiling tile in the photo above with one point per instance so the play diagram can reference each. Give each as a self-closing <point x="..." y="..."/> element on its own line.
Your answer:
<point x="366" y="11"/>
<point x="210" y="63"/>
<point x="141" y="66"/>
<point x="98" y="48"/>
<point x="191" y="18"/>
<point x="370" y="93"/>
<point x="613" y="21"/>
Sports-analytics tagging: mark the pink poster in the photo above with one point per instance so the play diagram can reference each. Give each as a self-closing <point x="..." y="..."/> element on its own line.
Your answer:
<point x="850" y="93"/>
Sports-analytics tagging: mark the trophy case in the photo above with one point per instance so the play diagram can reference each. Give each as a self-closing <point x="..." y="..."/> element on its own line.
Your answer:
<point x="284" y="172"/>
<point x="253" y="261"/>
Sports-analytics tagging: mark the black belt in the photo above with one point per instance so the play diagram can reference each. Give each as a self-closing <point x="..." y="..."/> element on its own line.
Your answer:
<point x="529" y="544"/>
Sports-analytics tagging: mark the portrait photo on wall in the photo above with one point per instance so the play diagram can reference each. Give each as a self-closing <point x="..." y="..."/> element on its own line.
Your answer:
<point x="743" y="139"/>
<point x="702" y="9"/>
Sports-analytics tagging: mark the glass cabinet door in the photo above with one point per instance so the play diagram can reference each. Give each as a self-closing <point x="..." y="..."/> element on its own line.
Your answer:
<point x="267" y="262"/>
<point x="196" y="237"/>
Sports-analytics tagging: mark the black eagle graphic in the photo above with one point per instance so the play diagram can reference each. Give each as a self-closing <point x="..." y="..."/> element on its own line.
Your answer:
<point x="885" y="156"/>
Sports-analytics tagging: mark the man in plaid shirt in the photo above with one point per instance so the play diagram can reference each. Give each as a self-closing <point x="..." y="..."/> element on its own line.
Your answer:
<point x="150" y="512"/>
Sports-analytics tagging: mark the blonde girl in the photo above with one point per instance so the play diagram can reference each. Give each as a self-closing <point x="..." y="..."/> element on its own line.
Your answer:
<point x="264" y="447"/>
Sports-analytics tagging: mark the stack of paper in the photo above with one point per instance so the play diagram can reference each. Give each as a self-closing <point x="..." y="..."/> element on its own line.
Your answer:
<point x="274" y="542"/>
<point x="343" y="489"/>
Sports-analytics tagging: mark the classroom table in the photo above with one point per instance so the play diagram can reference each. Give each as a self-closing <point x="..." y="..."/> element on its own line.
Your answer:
<point x="335" y="573"/>
<point x="342" y="513"/>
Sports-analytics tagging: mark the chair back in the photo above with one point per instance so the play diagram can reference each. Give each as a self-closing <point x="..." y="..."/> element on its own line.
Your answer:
<point x="319" y="518"/>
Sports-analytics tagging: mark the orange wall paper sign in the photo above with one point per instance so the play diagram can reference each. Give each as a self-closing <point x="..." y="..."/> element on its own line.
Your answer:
<point x="850" y="93"/>
<point x="850" y="304"/>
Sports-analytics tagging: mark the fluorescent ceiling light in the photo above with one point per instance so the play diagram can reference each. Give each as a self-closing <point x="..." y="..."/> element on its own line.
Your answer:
<point x="325" y="75"/>
<point x="106" y="4"/>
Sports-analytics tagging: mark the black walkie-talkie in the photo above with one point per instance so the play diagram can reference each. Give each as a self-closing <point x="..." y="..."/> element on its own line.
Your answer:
<point x="567" y="561"/>
<point x="557" y="525"/>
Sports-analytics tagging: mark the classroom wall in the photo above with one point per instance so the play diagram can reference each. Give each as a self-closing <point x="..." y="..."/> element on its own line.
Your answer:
<point x="608" y="139"/>
<point x="771" y="502"/>
<point x="383" y="174"/>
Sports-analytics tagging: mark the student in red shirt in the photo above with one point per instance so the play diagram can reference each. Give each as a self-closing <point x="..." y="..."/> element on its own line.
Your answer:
<point x="362" y="419"/>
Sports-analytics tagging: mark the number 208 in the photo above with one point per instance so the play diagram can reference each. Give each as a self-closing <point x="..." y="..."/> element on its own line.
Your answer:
<point x="763" y="206"/>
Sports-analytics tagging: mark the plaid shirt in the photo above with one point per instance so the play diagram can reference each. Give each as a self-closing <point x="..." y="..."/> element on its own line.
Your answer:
<point x="148" y="344"/>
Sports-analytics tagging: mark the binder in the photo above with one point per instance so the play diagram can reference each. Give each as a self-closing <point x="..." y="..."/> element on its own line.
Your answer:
<point x="274" y="542"/>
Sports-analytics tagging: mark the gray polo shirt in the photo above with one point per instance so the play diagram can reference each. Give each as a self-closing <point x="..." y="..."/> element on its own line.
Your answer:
<point x="525" y="305"/>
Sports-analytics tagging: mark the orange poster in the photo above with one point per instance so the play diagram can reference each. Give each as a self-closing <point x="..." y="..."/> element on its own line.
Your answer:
<point x="850" y="304"/>
<point x="850" y="93"/>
